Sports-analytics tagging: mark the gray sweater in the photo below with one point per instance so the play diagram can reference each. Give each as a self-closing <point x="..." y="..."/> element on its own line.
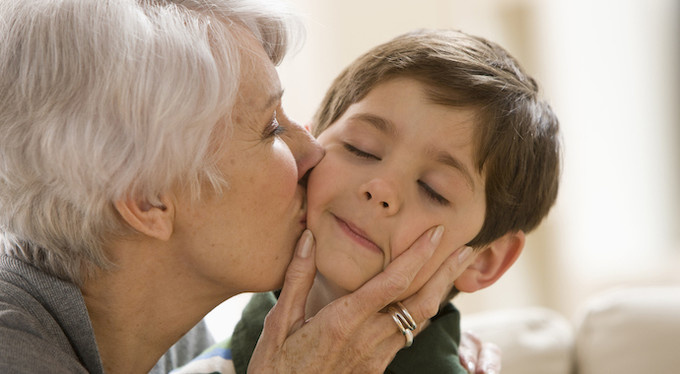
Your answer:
<point x="45" y="327"/>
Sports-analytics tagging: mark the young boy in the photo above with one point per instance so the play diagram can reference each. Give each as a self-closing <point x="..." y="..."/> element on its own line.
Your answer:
<point x="431" y="128"/>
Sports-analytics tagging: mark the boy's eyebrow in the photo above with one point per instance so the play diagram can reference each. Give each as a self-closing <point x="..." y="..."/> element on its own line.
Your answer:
<point x="446" y="159"/>
<point x="381" y="124"/>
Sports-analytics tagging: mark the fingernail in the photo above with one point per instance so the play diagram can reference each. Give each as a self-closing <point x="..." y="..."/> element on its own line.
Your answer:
<point x="470" y="365"/>
<point x="437" y="235"/>
<point x="305" y="245"/>
<point x="464" y="254"/>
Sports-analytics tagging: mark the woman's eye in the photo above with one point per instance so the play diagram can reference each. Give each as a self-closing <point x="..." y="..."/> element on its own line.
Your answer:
<point x="432" y="194"/>
<point x="274" y="128"/>
<point x="277" y="129"/>
<point x="359" y="153"/>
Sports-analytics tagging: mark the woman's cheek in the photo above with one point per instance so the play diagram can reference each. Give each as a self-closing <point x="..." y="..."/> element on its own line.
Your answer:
<point x="286" y="167"/>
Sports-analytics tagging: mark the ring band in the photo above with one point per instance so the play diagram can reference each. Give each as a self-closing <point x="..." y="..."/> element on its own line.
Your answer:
<point x="400" y="324"/>
<point x="407" y="316"/>
<point x="404" y="321"/>
<point x="409" y="338"/>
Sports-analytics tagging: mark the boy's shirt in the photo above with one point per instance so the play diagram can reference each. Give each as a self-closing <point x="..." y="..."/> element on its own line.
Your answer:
<point x="434" y="350"/>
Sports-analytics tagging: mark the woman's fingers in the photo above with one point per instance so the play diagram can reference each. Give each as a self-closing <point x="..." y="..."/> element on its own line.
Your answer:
<point x="479" y="357"/>
<point x="349" y="335"/>
<point x="385" y="287"/>
<point x="287" y="316"/>
<point x="378" y="292"/>
<point x="354" y="321"/>
<point x="299" y="278"/>
<point x="468" y="352"/>
<point x="489" y="359"/>
<point x="425" y="303"/>
<point x="380" y="329"/>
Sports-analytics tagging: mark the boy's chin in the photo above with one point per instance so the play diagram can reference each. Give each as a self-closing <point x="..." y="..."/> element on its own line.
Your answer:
<point x="338" y="285"/>
<point x="342" y="276"/>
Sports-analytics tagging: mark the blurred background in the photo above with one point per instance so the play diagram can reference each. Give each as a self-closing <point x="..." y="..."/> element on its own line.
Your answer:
<point x="611" y="71"/>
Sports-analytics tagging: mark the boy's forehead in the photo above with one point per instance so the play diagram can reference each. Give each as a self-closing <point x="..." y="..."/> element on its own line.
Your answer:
<point x="437" y="94"/>
<point x="468" y="113"/>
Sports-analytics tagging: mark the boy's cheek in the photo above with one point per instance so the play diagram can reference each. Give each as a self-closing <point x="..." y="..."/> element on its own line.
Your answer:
<point x="423" y="276"/>
<point x="430" y="268"/>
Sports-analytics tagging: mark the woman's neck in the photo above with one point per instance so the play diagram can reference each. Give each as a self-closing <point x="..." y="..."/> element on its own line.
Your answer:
<point x="140" y="309"/>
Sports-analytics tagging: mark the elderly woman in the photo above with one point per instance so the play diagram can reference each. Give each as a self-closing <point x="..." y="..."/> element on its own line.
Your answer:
<point x="148" y="173"/>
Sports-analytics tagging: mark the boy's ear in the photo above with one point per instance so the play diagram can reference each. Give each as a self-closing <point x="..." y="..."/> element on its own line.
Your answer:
<point x="154" y="220"/>
<point x="491" y="262"/>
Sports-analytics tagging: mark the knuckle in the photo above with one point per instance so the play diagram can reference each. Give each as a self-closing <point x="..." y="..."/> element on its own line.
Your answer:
<point x="272" y="320"/>
<point x="374" y="367"/>
<point x="369" y="363"/>
<point x="293" y="274"/>
<point x="337" y="332"/>
<point x="452" y="269"/>
<point x="429" y="307"/>
<point x="269" y="322"/>
<point x="396" y="283"/>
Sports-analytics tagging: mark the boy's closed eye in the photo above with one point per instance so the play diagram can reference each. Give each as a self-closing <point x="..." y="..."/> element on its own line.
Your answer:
<point x="427" y="190"/>
<point x="359" y="153"/>
<point x="432" y="194"/>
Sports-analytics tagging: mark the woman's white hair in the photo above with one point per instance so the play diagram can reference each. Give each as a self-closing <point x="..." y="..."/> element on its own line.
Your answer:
<point x="102" y="100"/>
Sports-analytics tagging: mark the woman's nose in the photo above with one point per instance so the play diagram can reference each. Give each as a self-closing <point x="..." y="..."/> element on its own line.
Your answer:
<point x="306" y="150"/>
<point x="381" y="194"/>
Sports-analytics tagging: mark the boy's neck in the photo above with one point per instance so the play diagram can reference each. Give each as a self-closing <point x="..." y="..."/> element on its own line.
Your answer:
<point x="323" y="292"/>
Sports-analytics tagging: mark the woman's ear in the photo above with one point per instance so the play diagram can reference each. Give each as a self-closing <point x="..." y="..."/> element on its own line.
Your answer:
<point x="491" y="262"/>
<point x="154" y="220"/>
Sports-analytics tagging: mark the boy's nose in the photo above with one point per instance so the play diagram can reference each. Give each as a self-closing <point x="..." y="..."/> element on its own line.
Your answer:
<point x="382" y="195"/>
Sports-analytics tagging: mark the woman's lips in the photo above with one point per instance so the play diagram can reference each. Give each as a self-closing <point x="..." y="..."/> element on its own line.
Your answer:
<point x="357" y="235"/>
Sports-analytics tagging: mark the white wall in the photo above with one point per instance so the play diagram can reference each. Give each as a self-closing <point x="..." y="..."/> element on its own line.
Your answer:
<point x="612" y="68"/>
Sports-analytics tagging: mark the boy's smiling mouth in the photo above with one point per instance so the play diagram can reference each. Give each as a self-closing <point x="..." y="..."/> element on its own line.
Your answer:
<point x="357" y="234"/>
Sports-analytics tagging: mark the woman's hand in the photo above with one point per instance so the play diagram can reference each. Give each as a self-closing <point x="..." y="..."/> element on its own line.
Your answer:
<point x="349" y="335"/>
<point x="479" y="357"/>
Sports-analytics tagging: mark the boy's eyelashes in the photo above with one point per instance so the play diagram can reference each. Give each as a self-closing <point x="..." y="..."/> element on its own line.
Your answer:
<point x="429" y="192"/>
<point x="432" y="194"/>
<point x="359" y="153"/>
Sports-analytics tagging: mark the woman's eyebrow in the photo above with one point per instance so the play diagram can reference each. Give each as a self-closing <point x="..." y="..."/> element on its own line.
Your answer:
<point x="272" y="99"/>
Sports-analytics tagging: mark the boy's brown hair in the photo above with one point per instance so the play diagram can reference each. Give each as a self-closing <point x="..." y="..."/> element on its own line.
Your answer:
<point x="518" y="143"/>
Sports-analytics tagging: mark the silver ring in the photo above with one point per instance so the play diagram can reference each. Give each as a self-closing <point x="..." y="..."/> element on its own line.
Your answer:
<point x="404" y="321"/>
<point x="400" y="324"/>
<point x="399" y="311"/>
<point x="411" y="322"/>
<point x="409" y="338"/>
